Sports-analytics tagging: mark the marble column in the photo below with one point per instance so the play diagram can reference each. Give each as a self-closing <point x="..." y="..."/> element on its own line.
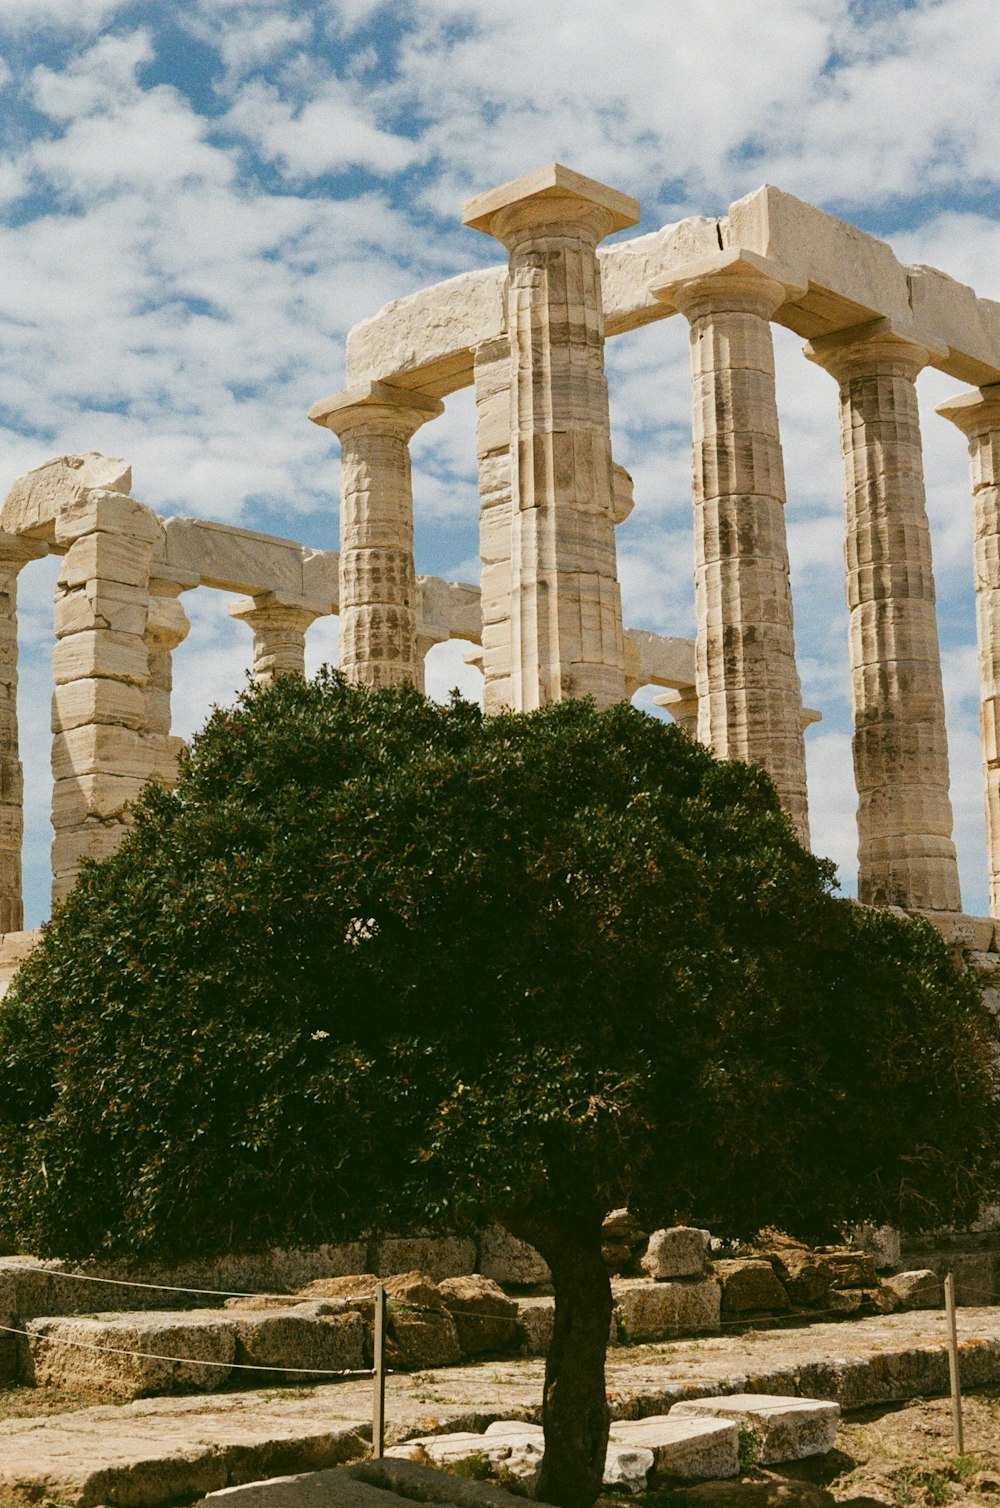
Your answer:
<point x="566" y="628"/>
<point x="166" y="626"/>
<point x="15" y="552"/>
<point x="279" y="626"/>
<point x="906" y="856"/>
<point x="378" y="598"/>
<point x="493" y="414"/>
<point x="748" y="689"/>
<point x="977" y="415"/>
<point x="100" y="665"/>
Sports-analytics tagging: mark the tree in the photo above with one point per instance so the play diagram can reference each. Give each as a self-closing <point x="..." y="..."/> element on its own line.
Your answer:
<point x="377" y="963"/>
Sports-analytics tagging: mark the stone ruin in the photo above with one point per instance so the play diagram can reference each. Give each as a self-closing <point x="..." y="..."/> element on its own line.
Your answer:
<point x="529" y="338"/>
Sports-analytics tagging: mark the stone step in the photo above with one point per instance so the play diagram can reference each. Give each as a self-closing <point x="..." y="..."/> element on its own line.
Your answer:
<point x="695" y="1449"/>
<point x="783" y="1429"/>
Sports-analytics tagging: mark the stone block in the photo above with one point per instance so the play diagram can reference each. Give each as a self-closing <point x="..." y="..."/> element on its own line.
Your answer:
<point x="100" y="654"/>
<point x="748" y="1284"/>
<point x="99" y="604"/>
<point x="849" y="1269"/>
<point x="37" y="497"/>
<point x="117" y="703"/>
<point x="421" y="1332"/>
<point x="882" y="1244"/>
<point x="104" y="557"/>
<point x="485" y="1318"/>
<point x="436" y="1256"/>
<point x="289" y="1344"/>
<point x="805" y="1277"/>
<point x="146" y="1353"/>
<point x="100" y="749"/>
<point x="103" y="511"/>
<point x="234" y="560"/>
<point x="628" y="1467"/>
<point x="509" y="1261"/>
<point x="661" y="1310"/>
<point x="536" y="1319"/>
<point x="100" y="796"/>
<point x="784" y="1429"/>
<point x="691" y="1448"/>
<point x="680" y="1252"/>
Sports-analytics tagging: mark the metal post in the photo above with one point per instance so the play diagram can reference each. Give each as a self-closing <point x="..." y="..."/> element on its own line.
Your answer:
<point x="956" y="1392"/>
<point x="378" y="1406"/>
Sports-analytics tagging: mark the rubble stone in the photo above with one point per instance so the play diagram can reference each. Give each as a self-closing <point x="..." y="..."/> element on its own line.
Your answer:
<point x="660" y="1310"/>
<point x="680" y="1252"/>
<point x="510" y="1262"/>
<point x="485" y="1318"/>
<point x="748" y="1284"/>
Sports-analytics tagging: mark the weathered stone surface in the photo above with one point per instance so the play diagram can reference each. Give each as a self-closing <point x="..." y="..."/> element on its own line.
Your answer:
<point x="421" y="1331"/>
<point x="535" y="1319"/>
<point x="918" y="1289"/>
<point x="683" y="1447"/>
<point x="628" y="1466"/>
<point x="805" y="1277"/>
<point x="784" y="1429"/>
<point x="882" y="1244"/>
<point x="291" y="1343"/>
<point x="107" y="511"/>
<point x="132" y="1355"/>
<point x="680" y="1252"/>
<point x="485" y="1318"/>
<point x="35" y="498"/>
<point x="849" y="1269"/>
<point x="749" y="1283"/>
<point x="437" y="1256"/>
<point x="659" y="1310"/>
<point x="510" y="1262"/>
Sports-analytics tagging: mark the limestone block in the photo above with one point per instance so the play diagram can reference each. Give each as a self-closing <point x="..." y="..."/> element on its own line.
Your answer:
<point x="749" y="1284"/>
<point x="784" y="1429"/>
<point x="882" y="1244"/>
<point x="100" y="654"/>
<point x="691" y="1448"/>
<point x="388" y="1483"/>
<point x="111" y="702"/>
<point x="203" y="1344"/>
<point x="509" y="1261"/>
<point x="659" y="1310"/>
<point x="234" y="560"/>
<point x="101" y="749"/>
<point x="805" y="1277"/>
<point x="849" y="1269"/>
<point x="919" y="1288"/>
<point x="35" y="499"/>
<point x="430" y="332"/>
<point x="485" y="1318"/>
<point x="321" y="577"/>
<point x="99" y="796"/>
<point x="105" y="557"/>
<point x="680" y="1252"/>
<point x="103" y="511"/>
<point x="436" y="1256"/>
<point x="629" y="269"/>
<point x="951" y="312"/>
<point x="422" y="1333"/>
<point x="96" y="838"/>
<point x="973" y="1270"/>
<point x="289" y="1343"/>
<point x="92" y="607"/>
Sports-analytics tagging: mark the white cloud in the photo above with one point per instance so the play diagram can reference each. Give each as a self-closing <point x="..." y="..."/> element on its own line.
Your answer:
<point x="333" y="130"/>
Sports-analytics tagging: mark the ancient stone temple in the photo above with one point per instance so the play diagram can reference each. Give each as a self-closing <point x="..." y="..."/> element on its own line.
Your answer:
<point x="528" y="336"/>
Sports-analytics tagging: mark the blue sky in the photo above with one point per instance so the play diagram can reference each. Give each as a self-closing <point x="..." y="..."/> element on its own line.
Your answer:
<point x="198" y="200"/>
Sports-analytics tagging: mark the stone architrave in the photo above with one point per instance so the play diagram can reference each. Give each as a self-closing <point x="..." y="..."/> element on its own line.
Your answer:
<point x="166" y="626"/>
<point x="378" y="597"/>
<point x="566" y="628"/>
<point x="977" y="415"/>
<point x="279" y="624"/>
<point x="906" y="856"/>
<point x="15" y="552"/>
<point x="100" y="758"/>
<point x="493" y="412"/>
<point x="748" y="689"/>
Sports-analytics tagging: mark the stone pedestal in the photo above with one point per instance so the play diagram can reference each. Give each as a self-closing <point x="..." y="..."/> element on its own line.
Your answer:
<point x="378" y="603"/>
<point x="906" y="856"/>
<point x="566" y="629"/>
<point x="100" y="758"/>
<point x="748" y="689"/>
<point x="279" y="626"/>
<point x="977" y="415"/>
<point x="15" y="552"/>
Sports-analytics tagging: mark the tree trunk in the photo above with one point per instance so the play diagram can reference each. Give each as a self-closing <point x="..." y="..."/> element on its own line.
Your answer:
<point x="575" y="1406"/>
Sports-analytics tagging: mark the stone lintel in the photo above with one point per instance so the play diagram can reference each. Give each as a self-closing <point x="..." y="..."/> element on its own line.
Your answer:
<point x="539" y="195"/>
<point x="975" y="412"/>
<point x="18" y="549"/>
<point x="889" y="339"/>
<point x="373" y="401"/>
<point x="729" y="272"/>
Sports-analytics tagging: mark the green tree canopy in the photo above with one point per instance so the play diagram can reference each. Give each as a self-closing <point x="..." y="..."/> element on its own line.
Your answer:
<point x="379" y="964"/>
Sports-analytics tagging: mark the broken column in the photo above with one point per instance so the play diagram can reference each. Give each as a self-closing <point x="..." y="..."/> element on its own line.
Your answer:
<point x="748" y="689"/>
<point x="378" y="603"/>
<point x="977" y="415"/>
<point x="566" y="628"/>
<point x="100" y="759"/>
<point x="279" y="624"/>
<point x="906" y="856"/>
<point x="15" y="552"/>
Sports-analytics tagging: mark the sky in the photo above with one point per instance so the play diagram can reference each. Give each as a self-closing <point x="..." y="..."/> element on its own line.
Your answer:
<point x="198" y="200"/>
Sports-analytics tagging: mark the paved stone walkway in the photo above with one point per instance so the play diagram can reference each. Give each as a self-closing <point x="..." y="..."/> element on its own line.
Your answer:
<point x="141" y="1454"/>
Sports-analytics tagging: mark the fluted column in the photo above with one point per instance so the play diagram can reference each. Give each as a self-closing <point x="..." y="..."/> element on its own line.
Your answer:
<point x="748" y="689"/>
<point x="566" y="628"/>
<point x="977" y="415"/>
<point x="378" y="600"/>
<point x="15" y="552"/>
<point x="279" y="626"/>
<point x="493" y="415"/>
<point x="906" y="856"/>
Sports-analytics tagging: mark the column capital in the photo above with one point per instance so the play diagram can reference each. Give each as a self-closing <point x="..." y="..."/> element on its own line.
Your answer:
<point x="277" y="610"/>
<point x="548" y="197"/>
<point x="166" y="624"/>
<point x="861" y="348"/>
<point x="976" y="412"/>
<point x="733" y="279"/>
<point x="378" y="407"/>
